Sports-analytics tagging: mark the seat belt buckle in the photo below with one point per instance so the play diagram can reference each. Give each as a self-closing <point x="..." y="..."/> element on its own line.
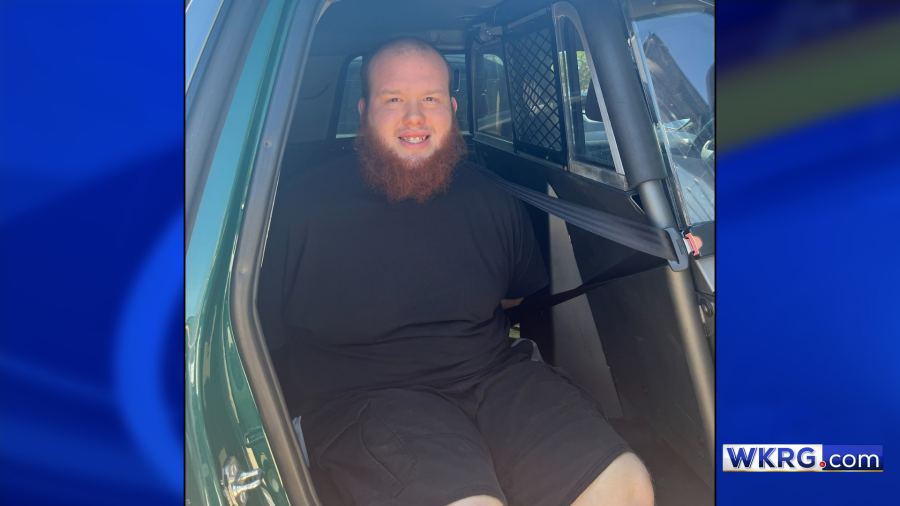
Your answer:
<point x="693" y="243"/>
<point x="681" y="250"/>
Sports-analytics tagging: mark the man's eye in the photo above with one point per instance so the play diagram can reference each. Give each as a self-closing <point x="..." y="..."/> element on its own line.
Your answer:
<point x="429" y="99"/>
<point x="395" y="99"/>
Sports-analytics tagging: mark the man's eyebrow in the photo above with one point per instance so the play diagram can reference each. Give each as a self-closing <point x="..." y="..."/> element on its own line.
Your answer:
<point x="436" y="91"/>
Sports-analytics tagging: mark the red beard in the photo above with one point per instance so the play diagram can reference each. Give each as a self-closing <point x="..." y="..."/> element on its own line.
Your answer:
<point x="398" y="179"/>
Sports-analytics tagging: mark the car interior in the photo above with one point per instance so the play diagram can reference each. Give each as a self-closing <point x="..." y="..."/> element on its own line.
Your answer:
<point x="530" y="112"/>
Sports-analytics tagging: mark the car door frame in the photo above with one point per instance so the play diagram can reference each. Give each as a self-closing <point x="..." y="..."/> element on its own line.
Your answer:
<point x="645" y="171"/>
<point x="249" y="251"/>
<point x="256" y="437"/>
<point x="615" y="73"/>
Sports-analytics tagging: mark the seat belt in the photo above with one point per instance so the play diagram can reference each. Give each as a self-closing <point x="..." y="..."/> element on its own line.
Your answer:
<point x="663" y="243"/>
<point x="516" y="313"/>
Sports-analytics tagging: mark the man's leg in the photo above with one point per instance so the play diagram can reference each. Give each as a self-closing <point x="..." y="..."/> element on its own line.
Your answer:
<point x="550" y="442"/>
<point x="625" y="482"/>
<point x="398" y="448"/>
<point x="478" y="500"/>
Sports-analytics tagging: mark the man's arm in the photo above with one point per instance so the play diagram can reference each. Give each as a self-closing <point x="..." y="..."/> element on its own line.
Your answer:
<point x="508" y="303"/>
<point x="528" y="274"/>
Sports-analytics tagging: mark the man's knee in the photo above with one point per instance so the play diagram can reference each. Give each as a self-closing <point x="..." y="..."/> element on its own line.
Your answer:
<point x="625" y="482"/>
<point x="478" y="500"/>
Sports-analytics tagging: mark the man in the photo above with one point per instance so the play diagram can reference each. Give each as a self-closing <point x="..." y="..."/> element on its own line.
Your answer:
<point x="384" y="283"/>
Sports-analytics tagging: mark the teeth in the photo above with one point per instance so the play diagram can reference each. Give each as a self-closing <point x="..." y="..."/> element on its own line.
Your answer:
<point x="414" y="140"/>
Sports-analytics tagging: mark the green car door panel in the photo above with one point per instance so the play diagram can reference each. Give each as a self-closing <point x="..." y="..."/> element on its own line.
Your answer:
<point x="222" y="419"/>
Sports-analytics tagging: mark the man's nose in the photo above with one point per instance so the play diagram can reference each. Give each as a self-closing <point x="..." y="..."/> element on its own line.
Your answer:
<point x="413" y="115"/>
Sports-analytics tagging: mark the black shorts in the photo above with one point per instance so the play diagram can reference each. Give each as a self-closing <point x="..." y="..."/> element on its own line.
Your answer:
<point x="525" y="435"/>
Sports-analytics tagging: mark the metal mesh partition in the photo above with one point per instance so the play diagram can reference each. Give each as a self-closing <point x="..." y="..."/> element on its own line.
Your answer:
<point x="535" y="93"/>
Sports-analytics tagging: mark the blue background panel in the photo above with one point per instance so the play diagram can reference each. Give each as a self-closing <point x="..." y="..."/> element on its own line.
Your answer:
<point x="807" y="283"/>
<point x="91" y="129"/>
<point x="91" y="185"/>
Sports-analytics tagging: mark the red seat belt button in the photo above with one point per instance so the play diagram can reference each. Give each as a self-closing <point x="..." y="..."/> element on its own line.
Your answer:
<point x="694" y="243"/>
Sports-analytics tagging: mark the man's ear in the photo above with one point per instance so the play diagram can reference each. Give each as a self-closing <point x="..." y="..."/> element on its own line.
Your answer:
<point x="362" y="107"/>
<point x="453" y="101"/>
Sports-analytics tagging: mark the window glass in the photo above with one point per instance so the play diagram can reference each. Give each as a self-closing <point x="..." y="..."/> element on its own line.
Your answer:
<point x="348" y="119"/>
<point x="588" y="131"/>
<point x="199" y="17"/>
<point x="678" y="52"/>
<point x="459" y="89"/>
<point x="491" y="93"/>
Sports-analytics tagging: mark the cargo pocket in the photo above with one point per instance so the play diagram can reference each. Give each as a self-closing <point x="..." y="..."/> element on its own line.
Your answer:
<point x="366" y="459"/>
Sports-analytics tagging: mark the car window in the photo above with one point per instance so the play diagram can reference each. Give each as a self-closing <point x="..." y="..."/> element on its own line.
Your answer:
<point x="348" y="118"/>
<point x="678" y="53"/>
<point x="589" y="137"/>
<point x="492" y="114"/>
<point x="459" y="89"/>
<point x="199" y="16"/>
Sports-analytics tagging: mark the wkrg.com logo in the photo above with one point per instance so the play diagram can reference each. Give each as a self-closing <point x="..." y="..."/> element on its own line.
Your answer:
<point x="769" y="458"/>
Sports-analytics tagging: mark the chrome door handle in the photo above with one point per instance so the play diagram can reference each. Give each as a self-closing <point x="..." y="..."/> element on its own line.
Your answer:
<point x="255" y="474"/>
<point x="236" y="483"/>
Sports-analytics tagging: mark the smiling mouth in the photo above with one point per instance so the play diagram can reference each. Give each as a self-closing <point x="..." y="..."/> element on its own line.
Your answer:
<point x="415" y="140"/>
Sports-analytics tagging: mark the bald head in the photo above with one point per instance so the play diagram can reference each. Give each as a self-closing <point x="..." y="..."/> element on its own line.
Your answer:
<point x="397" y="47"/>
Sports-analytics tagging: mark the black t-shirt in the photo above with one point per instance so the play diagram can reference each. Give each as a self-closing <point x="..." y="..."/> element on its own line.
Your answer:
<point x="357" y="293"/>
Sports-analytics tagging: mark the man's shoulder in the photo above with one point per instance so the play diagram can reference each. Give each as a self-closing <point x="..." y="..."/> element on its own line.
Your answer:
<point x="469" y="178"/>
<point x="470" y="182"/>
<point x="327" y="179"/>
<point x="333" y="171"/>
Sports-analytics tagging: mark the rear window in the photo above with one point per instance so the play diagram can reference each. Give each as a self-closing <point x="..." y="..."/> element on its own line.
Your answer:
<point x="348" y="118"/>
<point x="590" y="141"/>
<point x="492" y="114"/>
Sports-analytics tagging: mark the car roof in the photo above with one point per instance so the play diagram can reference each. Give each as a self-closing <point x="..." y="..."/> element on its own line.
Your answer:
<point x="355" y="26"/>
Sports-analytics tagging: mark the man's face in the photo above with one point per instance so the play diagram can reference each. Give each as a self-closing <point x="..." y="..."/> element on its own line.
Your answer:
<point x="410" y="109"/>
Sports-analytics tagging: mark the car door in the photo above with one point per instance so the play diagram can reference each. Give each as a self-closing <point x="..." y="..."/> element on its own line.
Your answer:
<point x="228" y="453"/>
<point x="675" y="52"/>
<point x="576" y="121"/>
<point x="654" y="337"/>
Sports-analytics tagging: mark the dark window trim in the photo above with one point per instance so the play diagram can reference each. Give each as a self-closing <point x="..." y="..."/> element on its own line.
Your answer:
<point x="630" y="16"/>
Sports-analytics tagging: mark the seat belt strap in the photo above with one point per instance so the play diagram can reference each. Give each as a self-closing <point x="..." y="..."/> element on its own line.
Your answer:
<point x="664" y="243"/>
<point x="516" y="313"/>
